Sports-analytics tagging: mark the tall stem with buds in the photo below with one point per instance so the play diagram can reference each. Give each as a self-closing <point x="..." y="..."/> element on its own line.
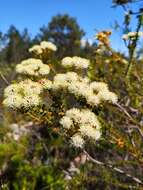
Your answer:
<point x="132" y="48"/>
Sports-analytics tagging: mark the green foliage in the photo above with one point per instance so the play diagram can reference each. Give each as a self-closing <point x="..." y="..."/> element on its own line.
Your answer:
<point x="40" y="177"/>
<point x="15" y="45"/>
<point x="65" y="32"/>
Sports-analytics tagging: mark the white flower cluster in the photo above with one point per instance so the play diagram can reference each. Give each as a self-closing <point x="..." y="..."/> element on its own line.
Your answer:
<point x="132" y="35"/>
<point x="33" y="67"/>
<point x="76" y="62"/>
<point x="36" y="49"/>
<point x="43" y="47"/>
<point x="46" y="84"/>
<point x="62" y="81"/>
<point x="101" y="92"/>
<point x="93" y="92"/>
<point x="25" y="94"/>
<point x="84" y="123"/>
<point x="81" y="124"/>
<point x="48" y="45"/>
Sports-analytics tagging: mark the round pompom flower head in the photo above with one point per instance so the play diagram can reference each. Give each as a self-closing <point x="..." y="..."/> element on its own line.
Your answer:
<point x="33" y="67"/>
<point x="48" y="45"/>
<point x="77" y="141"/>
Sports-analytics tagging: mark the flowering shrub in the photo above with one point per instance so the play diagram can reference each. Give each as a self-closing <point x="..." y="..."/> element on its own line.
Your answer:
<point x="54" y="110"/>
<point x="77" y="94"/>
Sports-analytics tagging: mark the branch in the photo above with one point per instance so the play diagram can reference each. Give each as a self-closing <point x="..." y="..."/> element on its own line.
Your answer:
<point x="125" y="111"/>
<point x="133" y="47"/>
<point x="3" y="77"/>
<point x="113" y="168"/>
<point x="137" y="125"/>
<point x="138" y="129"/>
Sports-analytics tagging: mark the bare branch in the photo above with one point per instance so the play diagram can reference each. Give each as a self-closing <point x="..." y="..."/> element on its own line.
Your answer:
<point x="3" y="77"/>
<point x="137" y="125"/>
<point x="113" y="168"/>
<point x="124" y="110"/>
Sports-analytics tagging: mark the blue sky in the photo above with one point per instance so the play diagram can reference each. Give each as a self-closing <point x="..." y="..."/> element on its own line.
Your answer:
<point x="90" y="14"/>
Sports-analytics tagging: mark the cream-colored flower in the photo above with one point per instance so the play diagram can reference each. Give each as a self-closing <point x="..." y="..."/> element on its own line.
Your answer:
<point x="13" y="101"/>
<point x="74" y="114"/>
<point x="90" y="132"/>
<point x="11" y="90"/>
<point x="83" y="117"/>
<point x="78" y="88"/>
<point x="31" y="100"/>
<point x="80" y="63"/>
<point x="30" y="87"/>
<point x="24" y="94"/>
<point x="125" y="37"/>
<point x="46" y="84"/>
<point x="88" y="117"/>
<point x="34" y="67"/>
<point x="64" y="80"/>
<point x="72" y="76"/>
<point x="36" y="49"/>
<point x="76" y="62"/>
<point x="66" y="122"/>
<point x="132" y="35"/>
<point x="84" y="123"/>
<point x="43" y="48"/>
<point x="106" y="95"/>
<point x="93" y="100"/>
<point x="98" y="86"/>
<point x="59" y="82"/>
<point x="48" y="45"/>
<point x="67" y="62"/>
<point x="77" y="141"/>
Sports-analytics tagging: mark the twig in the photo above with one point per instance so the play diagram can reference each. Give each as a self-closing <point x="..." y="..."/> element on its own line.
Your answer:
<point x="3" y="77"/>
<point x="33" y="116"/>
<point x="133" y="47"/>
<point x="112" y="167"/>
<point x="138" y="129"/>
<point x="125" y="111"/>
<point x="137" y="125"/>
